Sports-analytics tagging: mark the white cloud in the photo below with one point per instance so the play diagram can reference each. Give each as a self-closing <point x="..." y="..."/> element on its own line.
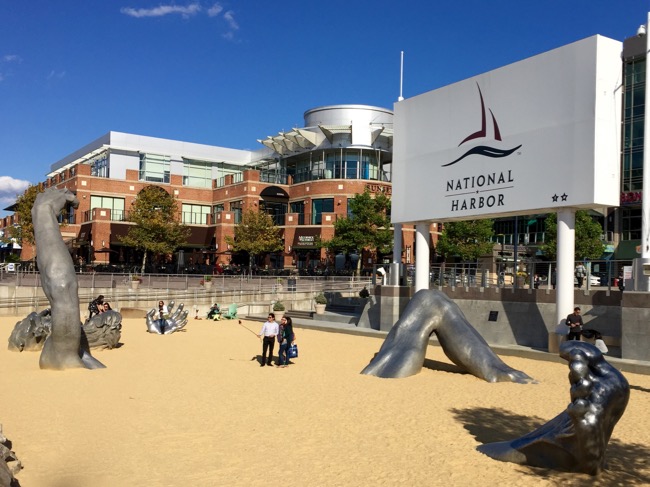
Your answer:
<point x="230" y="18"/>
<point x="215" y="10"/>
<point x="10" y="189"/>
<point x="56" y="75"/>
<point x="162" y="10"/>
<point x="11" y="58"/>
<point x="190" y="10"/>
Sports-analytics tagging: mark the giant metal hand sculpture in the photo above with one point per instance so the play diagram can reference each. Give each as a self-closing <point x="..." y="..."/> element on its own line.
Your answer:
<point x="62" y="348"/>
<point x="576" y="439"/>
<point x="30" y="333"/>
<point x="166" y="325"/>
<point x="402" y="353"/>
<point x="9" y="463"/>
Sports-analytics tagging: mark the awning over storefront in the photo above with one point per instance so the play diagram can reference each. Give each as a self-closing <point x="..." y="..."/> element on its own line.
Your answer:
<point x="306" y="238"/>
<point x="628" y="250"/>
<point x="200" y="237"/>
<point x="273" y="193"/>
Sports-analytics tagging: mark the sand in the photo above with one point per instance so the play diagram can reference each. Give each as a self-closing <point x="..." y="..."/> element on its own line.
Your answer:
<point x="195" y="409"/>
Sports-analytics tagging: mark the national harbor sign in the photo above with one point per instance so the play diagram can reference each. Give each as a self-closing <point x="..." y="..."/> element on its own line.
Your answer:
<point x="531" y="137"/>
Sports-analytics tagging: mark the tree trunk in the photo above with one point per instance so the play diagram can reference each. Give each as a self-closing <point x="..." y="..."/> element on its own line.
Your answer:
<point x="144" y="262"/>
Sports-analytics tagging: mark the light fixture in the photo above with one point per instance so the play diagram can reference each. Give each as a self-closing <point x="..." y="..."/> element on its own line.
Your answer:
<point x="641" y="31"/>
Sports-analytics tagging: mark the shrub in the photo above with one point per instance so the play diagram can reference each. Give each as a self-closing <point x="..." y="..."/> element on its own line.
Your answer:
<point x="320" y="298"/>
<point x="278" y="306"/>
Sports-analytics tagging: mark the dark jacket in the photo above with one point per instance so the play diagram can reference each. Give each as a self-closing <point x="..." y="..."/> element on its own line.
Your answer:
<point x="287" y="333"/>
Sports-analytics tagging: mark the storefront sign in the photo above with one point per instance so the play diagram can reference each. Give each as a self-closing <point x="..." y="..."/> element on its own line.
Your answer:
<point x="631" y="197"/>
<point x="531" y="137"/>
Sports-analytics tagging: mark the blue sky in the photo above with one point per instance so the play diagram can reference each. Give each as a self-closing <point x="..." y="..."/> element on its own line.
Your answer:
<point x="230" y="72"/>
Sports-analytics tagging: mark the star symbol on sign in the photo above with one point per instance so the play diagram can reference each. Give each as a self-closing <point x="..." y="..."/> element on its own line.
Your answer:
<point x="564" y="197"/>
<point x="554" y="198"/>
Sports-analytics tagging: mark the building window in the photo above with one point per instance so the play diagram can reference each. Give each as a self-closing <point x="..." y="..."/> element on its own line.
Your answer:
<point x="197" y="173"/>
<point x="631" y="222"/>
<point x="633" y="126"/>
<point x="276" y="210"/>
<point x="68" y="215"/>
<point x="236" y="208"/>
<point x="154" y="168"/>
<point x="298" y="207"/>
<point x="195" y="214"/>
<point x="320" y="206"/>
<point x="99" y="166"/>
<point x="115" y="205"/>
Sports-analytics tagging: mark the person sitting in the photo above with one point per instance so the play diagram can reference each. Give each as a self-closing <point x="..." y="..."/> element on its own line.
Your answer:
<point x="214" y="313"/>
<point x="93" y="306"/>
<point x="107" y="307"/>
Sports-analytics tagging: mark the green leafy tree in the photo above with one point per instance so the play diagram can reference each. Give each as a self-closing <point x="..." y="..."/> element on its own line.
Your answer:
<point x="25" y="231"/>
<point x="367" y="228"/>
<point x="157" y="229"/>
<point x="256" y="235"/>
<point x="468" y="240"/>
<point x="588" y="243"/>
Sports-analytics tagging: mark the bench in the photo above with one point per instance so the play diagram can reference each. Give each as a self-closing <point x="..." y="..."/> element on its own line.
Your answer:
<point x="341" y="308"/>
<point x="298" y="313"/>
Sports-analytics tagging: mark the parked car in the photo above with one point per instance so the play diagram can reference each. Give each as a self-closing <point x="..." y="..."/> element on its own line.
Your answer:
<point x="593" y="281"/>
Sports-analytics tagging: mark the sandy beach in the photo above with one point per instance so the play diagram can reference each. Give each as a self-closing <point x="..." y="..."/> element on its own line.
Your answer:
<point x="195" y="409"/>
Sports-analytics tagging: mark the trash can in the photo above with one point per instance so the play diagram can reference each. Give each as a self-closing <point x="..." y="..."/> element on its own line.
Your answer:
<point x="291" y="284"/>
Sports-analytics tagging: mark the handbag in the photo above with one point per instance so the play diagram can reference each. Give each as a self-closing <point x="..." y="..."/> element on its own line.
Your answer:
<point x="292" y="352"/>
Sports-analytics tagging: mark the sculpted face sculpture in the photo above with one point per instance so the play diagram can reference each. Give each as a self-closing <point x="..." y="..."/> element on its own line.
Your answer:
<point x="62" y="348"/>
<point x="104" y="330"/>
<point x="429" y="311"/>
<point x="576" y="439"/>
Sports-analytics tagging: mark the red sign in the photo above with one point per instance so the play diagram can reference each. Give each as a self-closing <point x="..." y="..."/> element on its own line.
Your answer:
<point x="631" y="197"/>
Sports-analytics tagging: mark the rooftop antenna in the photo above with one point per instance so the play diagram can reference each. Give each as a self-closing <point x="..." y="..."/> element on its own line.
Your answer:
<point x="401" y="75"/>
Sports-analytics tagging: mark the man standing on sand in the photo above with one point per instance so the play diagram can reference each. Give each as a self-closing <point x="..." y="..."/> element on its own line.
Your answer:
<point x="269" y="330"/>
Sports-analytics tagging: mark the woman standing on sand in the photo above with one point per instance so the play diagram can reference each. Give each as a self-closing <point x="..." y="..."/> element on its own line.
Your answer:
<point x="285" y="339"/>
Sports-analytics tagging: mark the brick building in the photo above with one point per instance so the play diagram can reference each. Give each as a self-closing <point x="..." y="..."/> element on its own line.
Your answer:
<point x="303" y="178"/>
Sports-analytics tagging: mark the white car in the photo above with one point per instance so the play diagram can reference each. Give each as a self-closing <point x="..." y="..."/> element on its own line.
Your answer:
<point x="593" y="281"/>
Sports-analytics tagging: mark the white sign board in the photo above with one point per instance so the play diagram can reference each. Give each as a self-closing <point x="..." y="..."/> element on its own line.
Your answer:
<point x="531" y="137"/>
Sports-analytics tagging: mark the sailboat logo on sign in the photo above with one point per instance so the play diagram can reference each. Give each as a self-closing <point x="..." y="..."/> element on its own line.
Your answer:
<point x="484" y="150"/>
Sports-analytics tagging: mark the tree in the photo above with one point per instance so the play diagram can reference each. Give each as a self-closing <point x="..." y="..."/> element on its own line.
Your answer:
<point x="256" y="234"/>
<point x="588" y="243"/>
<point x="467" y="240"/>
<point x="368" y="227"/>
<point x="23" y="212"/>
<point x="157" y="229"/>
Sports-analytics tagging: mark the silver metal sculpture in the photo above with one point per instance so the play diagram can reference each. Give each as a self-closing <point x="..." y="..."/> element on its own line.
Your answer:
<point x="30" y="333"/>
<point x="101" y="331"/>
<point x="576" y="439"/>
<point x="170" y="322"/>
<point x="429" y="311"/>
<point x="62" y="349"/>
<point x="104" y="330"/>
<point x="10" y="465"/>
